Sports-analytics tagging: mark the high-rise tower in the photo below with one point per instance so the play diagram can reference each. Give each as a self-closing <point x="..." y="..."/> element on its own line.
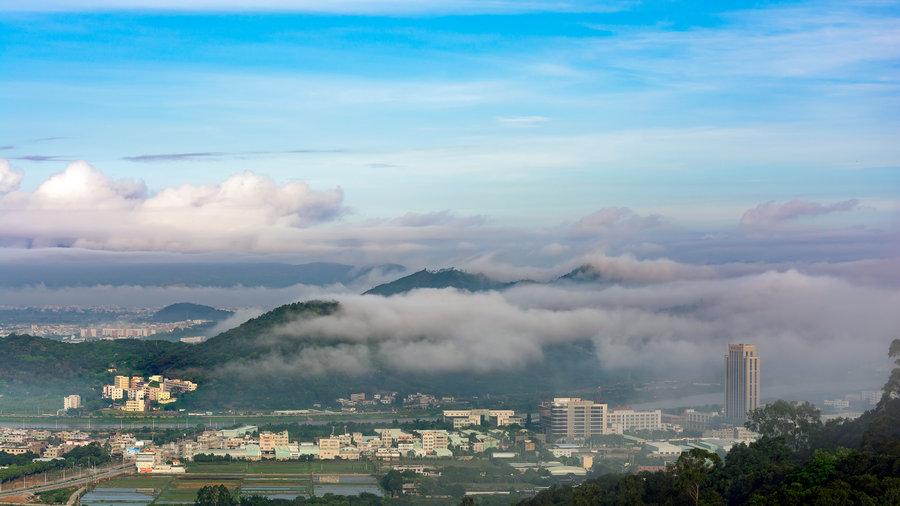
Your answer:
<point x="741" y="382"/>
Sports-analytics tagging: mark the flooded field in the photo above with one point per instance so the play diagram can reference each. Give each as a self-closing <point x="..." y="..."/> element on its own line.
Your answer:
<point x="346" y="485"/>
<point x="286" y="480"/>
<point x="106" y="496"/>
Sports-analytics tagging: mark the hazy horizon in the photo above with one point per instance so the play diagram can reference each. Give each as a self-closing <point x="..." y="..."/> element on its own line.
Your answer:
<point x="728" y="173"/>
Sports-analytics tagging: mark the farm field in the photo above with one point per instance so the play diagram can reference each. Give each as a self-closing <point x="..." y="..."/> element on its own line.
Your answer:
<point x="281" y="468"/>
<point x="276" y="480"/>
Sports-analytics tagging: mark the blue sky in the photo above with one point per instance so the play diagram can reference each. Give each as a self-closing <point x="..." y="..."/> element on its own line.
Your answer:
<point x="528" y="113"/>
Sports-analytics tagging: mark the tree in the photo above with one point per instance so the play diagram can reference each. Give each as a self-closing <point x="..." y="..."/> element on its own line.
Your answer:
<point x="215" y="495"/>
<point x="892" y="387"/>
<point x="693" y="468"/>
<point x="392" y="483"/>
<point x="797" y="423"/>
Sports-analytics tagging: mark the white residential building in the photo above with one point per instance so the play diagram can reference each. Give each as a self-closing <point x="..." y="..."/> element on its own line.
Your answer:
<point x="72" y="402"/>
<point x="621" y="420"/>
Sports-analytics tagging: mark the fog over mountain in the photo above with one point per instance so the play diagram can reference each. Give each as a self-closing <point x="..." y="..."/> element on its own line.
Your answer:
<point x="809" y="327"/>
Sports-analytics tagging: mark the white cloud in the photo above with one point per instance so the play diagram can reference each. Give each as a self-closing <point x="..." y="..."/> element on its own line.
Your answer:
<point x="82" y="207"/>
<point x="616" y="219"/>
<point x="523" y="121"/>
<point x="772" y="213"/>
<point x="9" y="178"/>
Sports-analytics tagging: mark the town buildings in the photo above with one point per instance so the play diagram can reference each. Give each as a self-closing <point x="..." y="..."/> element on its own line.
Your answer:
<point x="573" y="418"/>
<point x="139" y="394"/>
<point x="741" y="382"/>
<point x="465" y="417"/>
<point x="269" y="440"/>
<point x="622" y="420"/>
<point x="71" y="402"/>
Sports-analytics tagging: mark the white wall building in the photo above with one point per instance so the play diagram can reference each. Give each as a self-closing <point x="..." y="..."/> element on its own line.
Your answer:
<point x="72" y="402"/>
<point x="621" y="420"/>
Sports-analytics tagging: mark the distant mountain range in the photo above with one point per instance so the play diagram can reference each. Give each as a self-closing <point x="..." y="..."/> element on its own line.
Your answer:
<point x="472" y="282"/>
<point x="274" y="275"/>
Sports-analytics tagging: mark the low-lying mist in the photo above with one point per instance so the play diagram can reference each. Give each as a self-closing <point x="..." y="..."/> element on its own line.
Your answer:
<point x="808" y="327"/>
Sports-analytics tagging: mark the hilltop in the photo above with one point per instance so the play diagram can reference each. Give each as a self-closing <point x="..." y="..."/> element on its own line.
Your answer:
<point x="182" y="311"/>
<point x="442" y="278"/>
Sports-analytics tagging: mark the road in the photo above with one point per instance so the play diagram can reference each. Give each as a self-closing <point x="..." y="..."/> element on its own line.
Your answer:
<point x="109" y="472"/>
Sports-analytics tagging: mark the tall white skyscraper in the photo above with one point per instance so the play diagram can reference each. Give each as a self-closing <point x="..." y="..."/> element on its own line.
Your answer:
<point x="741" y="382"/>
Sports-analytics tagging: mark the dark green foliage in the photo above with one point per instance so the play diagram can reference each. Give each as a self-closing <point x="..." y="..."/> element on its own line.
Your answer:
<point x="393" y="481"/>
<point x="798" y="424"/>
<point x="215" y="495"/>
<point x="443" y="278"/>
<point x="7" y="459"/>
<point x="208" y="457"/>
<point x="58" y="496"/>
<point x="44" y="363"/>
<point x="82" y="456"/>
<point x="186" y="311"/>
<point x="364" y="499"/>
<point x="89" y="455"/>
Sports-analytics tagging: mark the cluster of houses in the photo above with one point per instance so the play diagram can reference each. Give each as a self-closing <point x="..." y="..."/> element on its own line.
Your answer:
<point x="46" y="444"/>
<point x="135" y="394"/>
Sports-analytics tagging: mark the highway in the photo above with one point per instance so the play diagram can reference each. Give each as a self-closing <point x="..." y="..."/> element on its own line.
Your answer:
<point x="83" y="479"/>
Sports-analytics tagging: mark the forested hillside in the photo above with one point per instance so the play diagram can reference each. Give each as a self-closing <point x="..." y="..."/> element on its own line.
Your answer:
<point x="253" y="365"/>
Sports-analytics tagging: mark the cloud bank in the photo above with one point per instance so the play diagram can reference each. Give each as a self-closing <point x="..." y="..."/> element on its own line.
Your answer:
<point x="82" y="207"/>
<point x="9" y="179"/>
<point x="772" y="213"/>
<point x="807" y="326"/>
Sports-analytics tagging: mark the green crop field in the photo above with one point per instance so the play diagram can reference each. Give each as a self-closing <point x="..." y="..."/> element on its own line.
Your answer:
<point x="289" y="468"/>
<point x="270" y="478"/>
<point x="217" y="467"/>
<point x="184" y="491"/>
<point x="139" y="481"/>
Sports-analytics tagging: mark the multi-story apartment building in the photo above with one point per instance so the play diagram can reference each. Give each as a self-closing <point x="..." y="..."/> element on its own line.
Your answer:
<point x="121" y="382"/>
<point x="113" y="392"/>
<point x="741" y="382"/>
<point x="434" y="440"/>
<point x="269" y="440"/>
<point x="573" y="418"/>
<point x="329" y="448"/>
<point x="466" y="417"/>
<point x="72" y="402"/>
<point x="620" y="420"/>
<point x="699" y="420"/>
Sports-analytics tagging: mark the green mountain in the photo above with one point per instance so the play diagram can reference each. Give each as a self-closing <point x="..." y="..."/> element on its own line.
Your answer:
<point x="443" y="278"/>
<point x="582" y="274"/>
<point x="182" y="311"/>
<point x="258" y="365"/>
